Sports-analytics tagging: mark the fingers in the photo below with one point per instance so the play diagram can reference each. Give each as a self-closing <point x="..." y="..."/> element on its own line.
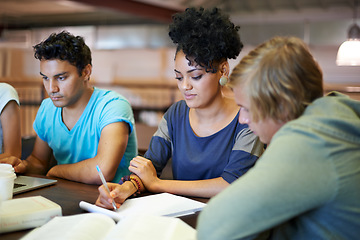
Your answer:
<point x="100" y="203"/>
<point x="137" y="165"/>
<point x="140" y="163"/>
<point x="139" y="160"/>
<point x="20" y="168"/>
<point x="8" y="159"/>
<point x="117" y="192"/>
<point x="17" y="163"/>
<point x="105" y="199"/>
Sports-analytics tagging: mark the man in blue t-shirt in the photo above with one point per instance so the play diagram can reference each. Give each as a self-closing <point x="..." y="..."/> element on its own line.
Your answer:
<point x="79" y="125"/>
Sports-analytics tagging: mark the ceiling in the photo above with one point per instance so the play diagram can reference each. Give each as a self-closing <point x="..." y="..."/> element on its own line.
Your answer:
<point x="22" y="14"/>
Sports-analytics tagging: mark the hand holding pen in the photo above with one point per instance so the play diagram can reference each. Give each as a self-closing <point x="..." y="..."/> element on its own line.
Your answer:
<point x="105" y="185"/>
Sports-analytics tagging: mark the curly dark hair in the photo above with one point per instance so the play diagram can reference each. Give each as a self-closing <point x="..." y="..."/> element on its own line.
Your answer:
<point x="64" y="46"/>
<point x="205" y="36"/>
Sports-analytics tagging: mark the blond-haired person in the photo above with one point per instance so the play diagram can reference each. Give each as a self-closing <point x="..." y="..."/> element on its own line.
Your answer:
<point x="306" y="184"/>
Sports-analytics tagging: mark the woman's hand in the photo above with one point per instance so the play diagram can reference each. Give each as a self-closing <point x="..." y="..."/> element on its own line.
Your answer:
<point x="145" y="170"/>
<point x="117" y="192"/>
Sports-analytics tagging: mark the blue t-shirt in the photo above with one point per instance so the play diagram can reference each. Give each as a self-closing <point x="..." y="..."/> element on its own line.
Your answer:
<point x="81" y="142"/>
<point x="228" y="153"/>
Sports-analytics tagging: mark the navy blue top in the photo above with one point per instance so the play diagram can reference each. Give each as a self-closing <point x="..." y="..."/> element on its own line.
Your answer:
<point x="229" y="153"/>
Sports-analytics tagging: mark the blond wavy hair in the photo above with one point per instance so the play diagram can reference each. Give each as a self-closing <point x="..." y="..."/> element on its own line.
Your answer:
<point x="281" y="78"/>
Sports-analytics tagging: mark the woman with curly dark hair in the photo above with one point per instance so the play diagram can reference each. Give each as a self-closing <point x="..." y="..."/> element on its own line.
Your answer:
<point x="209" y="148"/>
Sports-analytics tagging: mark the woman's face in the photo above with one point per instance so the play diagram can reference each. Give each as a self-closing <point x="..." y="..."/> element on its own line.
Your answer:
<point x="198" y="87"/>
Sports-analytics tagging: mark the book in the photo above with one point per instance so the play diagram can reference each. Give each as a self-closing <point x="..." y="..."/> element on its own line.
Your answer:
<point x="96" y="226"/>
<point x="28" y="212"/>
<point x="162" y="204"/>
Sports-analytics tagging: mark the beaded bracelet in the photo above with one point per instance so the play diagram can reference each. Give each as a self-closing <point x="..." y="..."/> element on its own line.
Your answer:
<point x="137" y="182"/>
<point x="128" y="178"/>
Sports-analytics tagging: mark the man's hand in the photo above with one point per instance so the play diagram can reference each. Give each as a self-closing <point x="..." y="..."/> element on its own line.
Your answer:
<point x="18" y="164"/>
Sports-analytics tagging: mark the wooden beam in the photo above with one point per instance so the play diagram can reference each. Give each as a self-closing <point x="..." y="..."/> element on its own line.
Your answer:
<point x="136" y="8"/>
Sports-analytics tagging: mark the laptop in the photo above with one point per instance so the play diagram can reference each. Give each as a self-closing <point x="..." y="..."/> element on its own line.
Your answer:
<point x="28" y="183"/>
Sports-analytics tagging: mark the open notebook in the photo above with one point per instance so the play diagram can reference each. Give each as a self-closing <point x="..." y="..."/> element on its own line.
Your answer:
<point x="27" y="183"/>
<point x="161" y="204"/>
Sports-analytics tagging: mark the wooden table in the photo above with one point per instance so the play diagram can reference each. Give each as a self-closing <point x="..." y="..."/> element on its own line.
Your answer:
<point x="68" y="194"/>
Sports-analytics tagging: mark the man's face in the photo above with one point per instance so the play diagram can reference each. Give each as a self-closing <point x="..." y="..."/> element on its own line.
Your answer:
<point x="62" y="82"/>
<point x="265" y="128"/>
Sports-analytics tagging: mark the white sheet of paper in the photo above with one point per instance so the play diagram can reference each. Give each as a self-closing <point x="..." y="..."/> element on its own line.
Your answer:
<point x="162" y="204"/>
<point x="76" y="227"/>
<point x="94" y="226"/>
<point x="148" y="227"/>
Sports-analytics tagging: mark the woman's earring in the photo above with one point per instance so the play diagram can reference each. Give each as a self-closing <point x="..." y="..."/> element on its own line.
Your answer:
<point x="223" y="80"/>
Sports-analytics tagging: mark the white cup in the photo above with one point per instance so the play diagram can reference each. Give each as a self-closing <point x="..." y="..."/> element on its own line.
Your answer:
<point x="7" y="177"/>
<point x="6" y="167"/>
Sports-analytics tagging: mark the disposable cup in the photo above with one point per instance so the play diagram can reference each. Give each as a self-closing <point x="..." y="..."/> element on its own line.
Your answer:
<point x="6" y="167"/>
<point x="7" y="177"/>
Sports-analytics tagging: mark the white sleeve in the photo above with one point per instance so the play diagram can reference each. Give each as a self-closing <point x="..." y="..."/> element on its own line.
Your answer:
<point x="7" y="93"/>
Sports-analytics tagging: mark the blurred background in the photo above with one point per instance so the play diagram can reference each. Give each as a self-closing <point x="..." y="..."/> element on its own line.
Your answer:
<point x="133" y="55"/>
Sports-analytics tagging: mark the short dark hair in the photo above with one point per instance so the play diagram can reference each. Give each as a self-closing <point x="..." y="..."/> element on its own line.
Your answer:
<point x="64" y="46"/>
<point x="205" y="36"/>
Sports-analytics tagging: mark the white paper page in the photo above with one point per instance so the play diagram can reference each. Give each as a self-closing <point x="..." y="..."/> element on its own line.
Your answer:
<point x="88" y="226"/>
<point x="148" y="227"/>
<point x="160" y="204"/>
<point x="163" y="204"/>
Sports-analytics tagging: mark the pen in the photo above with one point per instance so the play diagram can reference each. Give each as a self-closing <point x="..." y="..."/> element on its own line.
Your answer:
<point x="105" y="185"/>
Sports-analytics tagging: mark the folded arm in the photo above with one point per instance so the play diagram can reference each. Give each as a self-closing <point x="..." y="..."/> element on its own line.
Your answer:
<point x="111" y="148"/>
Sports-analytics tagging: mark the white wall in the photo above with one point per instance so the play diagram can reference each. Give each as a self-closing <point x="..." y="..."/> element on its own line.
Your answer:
<point x="146" y="52"/>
